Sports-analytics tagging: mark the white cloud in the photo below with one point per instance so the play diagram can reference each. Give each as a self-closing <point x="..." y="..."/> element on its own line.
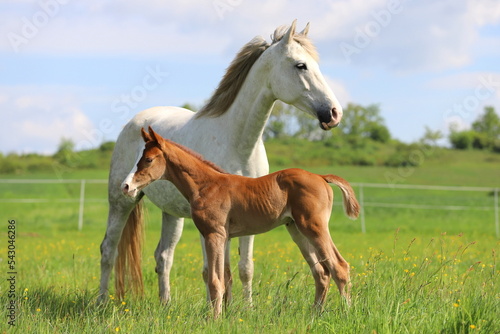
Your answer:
<point x="414" y="35"/>
<point x="39" y="117"/>
<point x="464" y="80"/>
<point x="117" y="27"/>
<point x="422" y="39"/>
<point x="419" y="35"/>
<point x="484" y="12"/>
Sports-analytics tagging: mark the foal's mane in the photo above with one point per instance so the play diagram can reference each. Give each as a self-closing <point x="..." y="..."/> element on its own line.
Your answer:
<point x="237" y="71"/>
<point x="197" y="156"/>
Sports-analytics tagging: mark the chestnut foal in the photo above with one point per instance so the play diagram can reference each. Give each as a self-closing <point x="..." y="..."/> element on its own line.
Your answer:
<point x="225" y="206"/>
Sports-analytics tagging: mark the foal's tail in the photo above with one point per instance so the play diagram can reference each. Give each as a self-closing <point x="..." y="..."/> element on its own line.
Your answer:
<point x="351" y="205"/>
<point x="128" y="262"/>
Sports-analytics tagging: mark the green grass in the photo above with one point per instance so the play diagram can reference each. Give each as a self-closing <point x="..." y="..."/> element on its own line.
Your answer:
<point x="415" y="271"/>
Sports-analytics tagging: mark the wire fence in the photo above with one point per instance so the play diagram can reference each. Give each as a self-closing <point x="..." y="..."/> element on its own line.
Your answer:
<point x="361" y="187"/>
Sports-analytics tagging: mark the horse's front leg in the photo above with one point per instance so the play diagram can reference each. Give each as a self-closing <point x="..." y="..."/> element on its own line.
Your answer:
<point x="215" y="244"/>
<point x="228" y="278"/>
<point x="171" y="232"/>
<point x="245" y="266"/>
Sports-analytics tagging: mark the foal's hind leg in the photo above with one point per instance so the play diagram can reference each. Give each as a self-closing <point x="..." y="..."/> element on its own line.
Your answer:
<point x="338" y="267"/>
<point x="316" y="231"/>
<point x="171" y="231"/>
<point x="320" y="273"/>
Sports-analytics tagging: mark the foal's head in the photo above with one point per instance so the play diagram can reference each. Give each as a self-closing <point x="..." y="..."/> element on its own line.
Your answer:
<point x="150" y="167"/>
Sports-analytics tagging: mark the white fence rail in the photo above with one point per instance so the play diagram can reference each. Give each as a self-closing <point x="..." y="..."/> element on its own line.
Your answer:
<point x="81" y="200"/>
<point x="360" y="186"/>
<point x="364" y="204"/>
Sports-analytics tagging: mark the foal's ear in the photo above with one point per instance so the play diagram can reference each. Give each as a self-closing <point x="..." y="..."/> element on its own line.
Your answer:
<point x="154" y="136"/>
<point x="157" y="138"/>
<point x="145" y="136"/>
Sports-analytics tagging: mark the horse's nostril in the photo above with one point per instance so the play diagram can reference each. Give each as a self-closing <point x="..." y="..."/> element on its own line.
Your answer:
<point x="125" y="188"/>
<point x="334" y="113"/>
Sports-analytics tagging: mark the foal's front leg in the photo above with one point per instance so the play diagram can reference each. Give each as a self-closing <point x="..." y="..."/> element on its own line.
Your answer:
<point x="228" y="278"/>
<point x="215" y="248"/>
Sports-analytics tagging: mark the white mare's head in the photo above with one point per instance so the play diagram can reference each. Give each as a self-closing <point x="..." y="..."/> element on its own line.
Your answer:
<point x="289" y="68"/>
<point x="296" y="79"/>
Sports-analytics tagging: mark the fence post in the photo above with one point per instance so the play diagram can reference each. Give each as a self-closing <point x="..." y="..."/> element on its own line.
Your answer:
<point x="497" y="223"/>
<point x="82" y="202"/>
<point x="362" y="211"/>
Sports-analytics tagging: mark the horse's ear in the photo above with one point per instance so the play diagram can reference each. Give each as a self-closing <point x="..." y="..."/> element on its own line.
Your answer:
<point x="306" y="30"/>
<point x="145" y="136"/>
<point x="162" y="142"/>
<point x="157" y="138"/>
<point x="288" y="37"/>
<point x="154" y="136"/>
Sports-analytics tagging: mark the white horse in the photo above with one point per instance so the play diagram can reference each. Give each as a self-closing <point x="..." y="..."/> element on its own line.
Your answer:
<point x="227" y="131"/>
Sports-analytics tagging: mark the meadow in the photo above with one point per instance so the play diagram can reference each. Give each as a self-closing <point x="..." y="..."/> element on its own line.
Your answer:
<point x="414" y="271"/>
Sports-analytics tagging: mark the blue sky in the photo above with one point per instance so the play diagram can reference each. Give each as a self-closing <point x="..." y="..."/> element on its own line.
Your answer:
<point x="67" y="66"/>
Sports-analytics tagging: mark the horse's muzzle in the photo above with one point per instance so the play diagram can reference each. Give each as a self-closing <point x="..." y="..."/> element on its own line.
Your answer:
<point x="127" y="191"/>
<point x="332" y="120"/>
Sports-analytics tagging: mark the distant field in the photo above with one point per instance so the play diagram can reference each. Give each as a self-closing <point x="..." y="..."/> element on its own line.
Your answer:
<point x="413" y="271"/>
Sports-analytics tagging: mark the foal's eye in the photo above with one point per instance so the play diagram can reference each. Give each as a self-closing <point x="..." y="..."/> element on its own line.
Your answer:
<point x="149" y="160"/>
<point x="301" y="66"/>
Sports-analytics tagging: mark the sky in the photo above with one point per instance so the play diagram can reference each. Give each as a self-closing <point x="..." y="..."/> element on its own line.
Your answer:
<point x="81" y="69"/>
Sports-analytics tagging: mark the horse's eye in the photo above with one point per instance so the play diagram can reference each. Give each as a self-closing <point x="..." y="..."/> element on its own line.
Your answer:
<point x="149" y="160"/>
<point x="301" y="66"/>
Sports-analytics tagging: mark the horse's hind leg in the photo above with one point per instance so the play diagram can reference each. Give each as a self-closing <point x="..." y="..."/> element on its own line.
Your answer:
<point x="338" y="267"/>
<point x="330" y="257"/>
<point x="245" y="266"/>
<point x="316" y="231"/>
<point x="117" y="218"/>
<point x="320" y="273"/>
<point x="171" y="231"/>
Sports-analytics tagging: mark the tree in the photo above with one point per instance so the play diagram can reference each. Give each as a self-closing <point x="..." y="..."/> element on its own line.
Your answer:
<point x="281" y="121"/>
<point x="66" y="152"/>
<point x="431" y="137"/>
<point x="359" y="123"/>
<point x="189" y="106"/>
<point x="485" y="133"/>
<point x="488" y="126"/>
<point x="108" y="146"/>
<point x="461" y="140"/>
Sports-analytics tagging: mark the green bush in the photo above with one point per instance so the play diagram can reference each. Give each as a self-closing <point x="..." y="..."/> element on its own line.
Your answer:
<point x="462" y="140"/>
